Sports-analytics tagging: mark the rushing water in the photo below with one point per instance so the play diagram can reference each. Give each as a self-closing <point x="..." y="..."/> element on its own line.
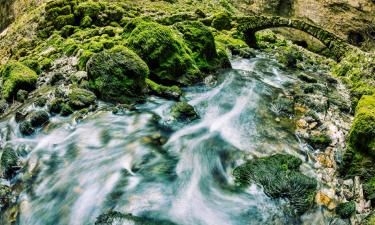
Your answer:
<point x="145" y="163"/>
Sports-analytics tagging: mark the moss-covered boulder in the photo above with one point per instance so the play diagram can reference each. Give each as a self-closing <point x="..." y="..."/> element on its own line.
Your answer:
<point x="165" y="52"/>
<point x="183" y="111"/>
<point x="117" y="75"/>
<point x="362" y="133"/>
<point x="280" y="177"/>
<point x="169" y="92"/>
<point x="9" y="162"/>
<point x="202" y="44"/>
<point x="17" y="76"/>
<point x="346" y="209"/>
<point x="79" y="98"/>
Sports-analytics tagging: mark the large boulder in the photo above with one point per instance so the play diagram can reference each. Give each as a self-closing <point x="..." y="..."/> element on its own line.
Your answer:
<point x="117" y="75"/>
<point x="165" y="52"/>
<point x="280" y="177"/>
<point x="17" y="76"/>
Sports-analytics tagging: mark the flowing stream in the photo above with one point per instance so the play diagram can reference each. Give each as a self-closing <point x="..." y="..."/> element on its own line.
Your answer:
<point x="145" y="163"/>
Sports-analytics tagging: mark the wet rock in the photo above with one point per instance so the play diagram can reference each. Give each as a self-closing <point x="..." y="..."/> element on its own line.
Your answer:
<point x="114" y="217"/>
<point x="307" y="78"/>
<point x="9" y="162"/>
<point x="22" y="95"/>
<point x="280" y="177"/>
<point x="66" y="110"/>
<point x="56" y="105"/>
<point x="26" y="128"/>
<point x="324" y="200"/>
<point x="183" y="111"/>
<point x="345" y="210"/>
<point x="39" y="118"/>
<point x="56" y="78"/>
<point x="245" y="53"/>
<point x="78" y="77"/>
<point x="169" y="92"/>
<point x="3" y="106"/>
<point x="5" y="197"/>
<point x="20" y="116"/>
<point x="319" y="141"/>
<point x="325" y="160"/>
<point x="301" y="123"/>
<point x="81" y="98"/>
<point x="41" y="101"/>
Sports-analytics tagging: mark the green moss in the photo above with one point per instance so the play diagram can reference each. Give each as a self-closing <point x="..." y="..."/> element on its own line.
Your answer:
<point x="5" y="197"/>
<point x="56" y="105"/>
<point x="182" y="111"/>
<point x="280" y="177"/>
<point x="66" y="110"/>
<point x="22" y="95"/>
<point x="89" y="8"/>
<point x="86" y="21"/>
<point x="67" y="30"/>
<point x="83" y="59"/>
<point x="165" y="53"/>
<point x="362" y="133"/>
<point x="80" y="98"/>
<point x="346" y="210"/>
<point x="64" y="20"/>
<point x="170" y="92"/>
<point x="26" y="128"/>
<point x="222" y="21"/>
<point x="117" y="74"/>
<point x="17" y="76"/>
<point x="39" y="118"/>
<point x="202" y="44"/>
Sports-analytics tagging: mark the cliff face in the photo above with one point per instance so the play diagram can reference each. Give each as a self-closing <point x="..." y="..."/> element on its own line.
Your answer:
<point x="6" y="13"/>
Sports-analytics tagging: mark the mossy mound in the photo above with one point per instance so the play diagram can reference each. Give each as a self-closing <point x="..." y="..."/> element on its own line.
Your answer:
<point x="280" y="177"/>
<point x="170" y="92"/>
<point x="222" y="21"/>
<point x="17" y="76"/>
<point x="182" y="111"/>
<point x="114" y="217"/>
<point x="117" y="75"/>
<point x="165" y="52"/>
<point x="362" y="133"/>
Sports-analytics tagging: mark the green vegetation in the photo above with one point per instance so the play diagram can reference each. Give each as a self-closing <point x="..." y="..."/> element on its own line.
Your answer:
<point x="9" y="162"/>
<point x="17" y="76"/>
<point x="280" y="177"/>
<point x="346" y="210"/>
<point x="170" y="92"/>
<point x="78" y="99"/>
<point x="114" y="217"/>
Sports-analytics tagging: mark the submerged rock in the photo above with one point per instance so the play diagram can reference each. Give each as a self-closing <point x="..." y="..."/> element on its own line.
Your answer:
<point x="113" y="217"/>
<point x="118" y="75"/>
<point x="280" y="177"/>
<point x="26" y="128"/>
<point x="183" y="111"/>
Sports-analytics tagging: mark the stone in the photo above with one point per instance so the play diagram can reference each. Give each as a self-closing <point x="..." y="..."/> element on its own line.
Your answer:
<point x="39" y="118"/>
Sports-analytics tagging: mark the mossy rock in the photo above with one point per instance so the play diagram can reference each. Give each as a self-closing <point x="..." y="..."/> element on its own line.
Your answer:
<point x="362" y="133"/>
<point x="319" y="141"/>
<point x="55" y="105"/>
<point x="9" y="162"/>
<point x="202" y="44"/>
<point x="165" y="52"/>
<point x="79" y="98"/>
<point x="118" y="75"/>
<point x="222" y="21"/>
<point x="114" y="217"/>
<point x="64" y="20"/>
<point x="169" y="92"/>
<point x="280" y="177"/>
<point x="22" y="95"/>
<point x="345" y="210"/>
<point x="39" y="118"/>
<point x="17" y="76"/>
<point x="182" y="111"/>
<point x="88" y="8"/>
<point x="370" y="219"/>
